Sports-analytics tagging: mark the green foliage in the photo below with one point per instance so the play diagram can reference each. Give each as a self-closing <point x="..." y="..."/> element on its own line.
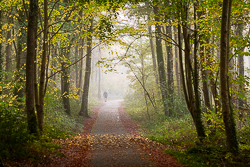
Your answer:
<point x="199" y="156"/>
<point x="14" y="137"/>
<point x="173" y="131"/>
<point x="57" y="123"/>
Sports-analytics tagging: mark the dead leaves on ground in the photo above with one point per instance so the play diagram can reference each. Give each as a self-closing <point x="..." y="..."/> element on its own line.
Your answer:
<point x="153" y="149"/>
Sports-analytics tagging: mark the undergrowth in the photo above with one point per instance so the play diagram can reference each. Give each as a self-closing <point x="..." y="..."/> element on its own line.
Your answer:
<point x="16" y="144"/>
<point x="178" y="133"/>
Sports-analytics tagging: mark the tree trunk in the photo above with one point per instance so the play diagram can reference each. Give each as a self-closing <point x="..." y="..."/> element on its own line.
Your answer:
<point x="18" y="90"/>
<point x="192" y="97"/>
<point x="99" y="76"/>
<point x="153" y="52"/>
<point x="84" y="106"/>
<point x="8" y="53"/>
<point x="241" y="101"/>
<point x="31" y="54"/>
<point x="227" y="109"/>
<point x="212" y="81"/>
<point x="204" y="63"/>
<point x="204" y="78"/>
<point x="143" y="84"/>
<point x="40" y="105"/>
<point x="76" y="66"/>
<point x="177" y="72"/>
<point x="170" y="72"/>
<point x="1" y="54"/>
<point x="81" y="66"/>
<point x="65" y="80"/>
<point x="160" y="62"/>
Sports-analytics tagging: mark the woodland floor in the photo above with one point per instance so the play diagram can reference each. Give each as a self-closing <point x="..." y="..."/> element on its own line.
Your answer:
<point x="110" y="138"/>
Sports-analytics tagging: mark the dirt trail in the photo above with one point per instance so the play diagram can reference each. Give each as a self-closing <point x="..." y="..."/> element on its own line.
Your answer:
<point x="110" y="138"/>
<point x="111" y="143"/>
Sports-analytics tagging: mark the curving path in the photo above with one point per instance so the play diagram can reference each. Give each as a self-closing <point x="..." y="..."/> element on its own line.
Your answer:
<point x="111" y="145"/>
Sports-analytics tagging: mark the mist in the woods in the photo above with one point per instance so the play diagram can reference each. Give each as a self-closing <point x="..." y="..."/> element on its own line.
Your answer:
<point x="114" y="81"/>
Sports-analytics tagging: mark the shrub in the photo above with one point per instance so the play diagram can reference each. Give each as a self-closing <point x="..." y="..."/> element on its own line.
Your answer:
<point x="14" y="137"/>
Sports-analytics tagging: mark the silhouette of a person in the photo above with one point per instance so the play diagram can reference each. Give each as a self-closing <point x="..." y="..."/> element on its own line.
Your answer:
<point x="105" y="95"/>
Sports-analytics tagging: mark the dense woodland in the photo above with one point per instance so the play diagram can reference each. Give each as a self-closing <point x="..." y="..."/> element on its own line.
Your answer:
<point x="182" y="68"/>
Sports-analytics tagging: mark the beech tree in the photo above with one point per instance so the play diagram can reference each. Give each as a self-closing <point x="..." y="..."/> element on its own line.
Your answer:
<point x="30" y="67"/>
<point x="160" y="61"/>
<point x="84" y="105"/>
<point x="227" y="108"/>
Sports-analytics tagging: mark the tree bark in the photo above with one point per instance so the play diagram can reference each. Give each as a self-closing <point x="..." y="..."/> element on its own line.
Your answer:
<point x="227" y="109"/>
<point x="8" y="53"/>
<point x="160" y="62"/>
<point x="192" y="94"/>
<point x="31" y="54"/>
<point x="177" y="72"/>
<point x="40" y="105"/>
<point x="170" y="74"/>
<point x="81" y="66"/>
<point x="153" y="52"/>
<point x="84" y="106"/>
<point x="76" y="66"/>
<point x="18" y="90"/>
<point x="241" y="101"/>
<point x="65" y="80"/>
<point x="99" y="75"/>
<point x="1" y="46"/>
<point x="143" y="83"/>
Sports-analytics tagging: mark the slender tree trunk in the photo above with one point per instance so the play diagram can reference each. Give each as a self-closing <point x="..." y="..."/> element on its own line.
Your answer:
<point x="212" y="81"/>
<point x="204" y="76"/>
<point x="170" y="72"/>
<point x="65" y="80"/>
<point x="18" y="90"/>
<point x="99" y="76"/>
<point x="76" y="66"/>
<point x="153" y="52"/>
<point x="181" y="67"/>
<point x="160" y="62"/>
<point x="84" y="106"/>
<point x="227" y="109"/>
<point x="143" y="84"/>
<point x="204" y="79"/>
<point x="40" y="105"/>
<point x="203" y="70"/>
<point x="196" y="69"/>
<point x="81" y="66"/>
<point x="192" y="95"/>
<point x="1" y="46"/>
<point x="177" y="72"/>
<point x="54" y="54"/>
<point x="31" y="54"/>
<point x="8" y="53"/>
<point x="241" y="101"/>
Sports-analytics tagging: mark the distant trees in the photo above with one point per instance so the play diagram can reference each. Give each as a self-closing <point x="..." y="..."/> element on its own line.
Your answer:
<point x="199" y="61"/>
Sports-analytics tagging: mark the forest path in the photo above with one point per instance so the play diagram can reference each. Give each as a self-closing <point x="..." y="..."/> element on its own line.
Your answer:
<point x="111" y="143"/>
<point x="110" y="139"/>
<point x="115" y="141"/>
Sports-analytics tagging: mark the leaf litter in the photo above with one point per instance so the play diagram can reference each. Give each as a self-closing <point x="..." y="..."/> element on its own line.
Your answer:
<point x="78" y="151"/>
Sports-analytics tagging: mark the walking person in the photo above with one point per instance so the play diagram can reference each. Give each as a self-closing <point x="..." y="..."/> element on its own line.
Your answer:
<point x="105" y="95"/>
